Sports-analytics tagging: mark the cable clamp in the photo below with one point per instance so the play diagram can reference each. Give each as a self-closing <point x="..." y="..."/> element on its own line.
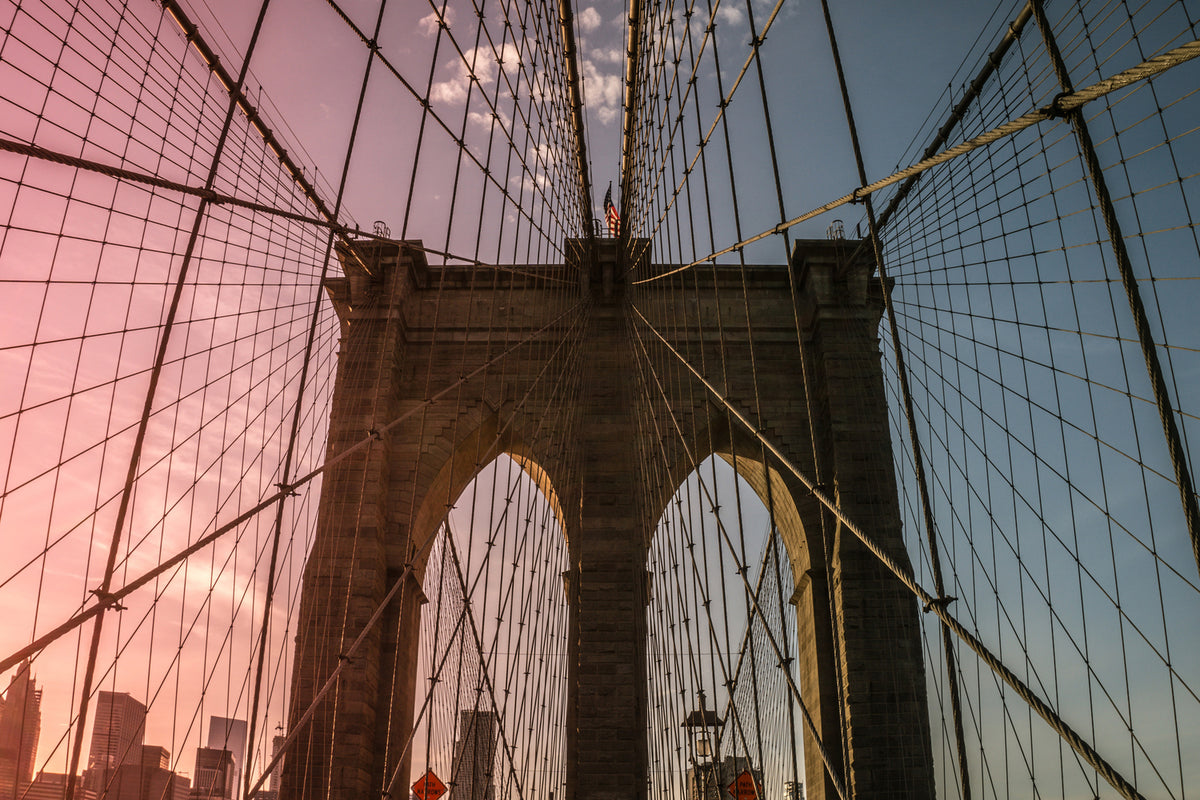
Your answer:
<point x="854" y="196"/>
<point x="375" y="435"/>
<point x="289" y="490"/>
<point x="939" y="602"/>
<point x="1055" y="110"/>
<point x="345" y="658"/>
<point x="107" y="599"/>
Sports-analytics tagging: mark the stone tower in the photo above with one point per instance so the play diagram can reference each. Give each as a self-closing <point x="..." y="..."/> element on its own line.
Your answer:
<point x="859" y="662"/>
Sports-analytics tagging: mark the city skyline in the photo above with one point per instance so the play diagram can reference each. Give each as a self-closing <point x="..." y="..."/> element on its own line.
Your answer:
<point x="120" y="764"/>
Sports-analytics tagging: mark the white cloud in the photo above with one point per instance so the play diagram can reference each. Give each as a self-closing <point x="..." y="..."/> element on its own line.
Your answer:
<point x="522" y="181"/>
<point x="486" y="66"/>
<point x="731" y="15"/>
<point x="603" y="90"/>
<point x="483" y="118"/>
<point x="607" y="114"/>
<point x="451" y="91"/>
<point x="589" y="20"/>
<point x="428" y="24"/>
<point x="540" y="154"/>
<point x="613" y="55"/>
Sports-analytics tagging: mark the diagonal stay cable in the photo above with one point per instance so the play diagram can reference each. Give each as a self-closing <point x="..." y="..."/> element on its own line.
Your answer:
<point x="1062" y="105"/>
<point x="286" y="469"/>
<point x="483" y="671"/>
<point x="1077" y="742"/>
<point x="507" y="128"/>
<point x="700" y="585"/>
<point x="114" y="597"/>
<point x="237" y="92"/>
<point x="1137" y="308"/>
<point x="216" y="198"/>
<point x="756" y="44"/>
<point x="165" y="340"/>
<point x="917" y="459"/>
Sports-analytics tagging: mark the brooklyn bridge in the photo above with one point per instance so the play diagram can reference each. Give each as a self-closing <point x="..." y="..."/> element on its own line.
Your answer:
<point x="664" y="400"/>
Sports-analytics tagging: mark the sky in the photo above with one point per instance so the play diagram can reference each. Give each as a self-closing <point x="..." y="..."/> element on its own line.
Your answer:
<point x="914" y="49"/>
<point x="91" y="299"/>
<point x="305" y="76"/>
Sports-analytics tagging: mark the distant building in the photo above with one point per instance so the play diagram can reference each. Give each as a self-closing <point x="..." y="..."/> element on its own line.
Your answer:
<point x="20" y="725"/>
<point x="155" y="756"/>
<point x="277" y="773"/>
<point x="150" y="779"/>
<point x="271" y="790"/>
<point x="793" y="790"/>
<point x="213" y="779"/>
<point x="118" y="731"/>
<point x="229" y="734"/>
<point x="182" y="787"/>
<point x="53" y="786"/>
<point x="474" y="757"/>
<point x="138" y="782"/>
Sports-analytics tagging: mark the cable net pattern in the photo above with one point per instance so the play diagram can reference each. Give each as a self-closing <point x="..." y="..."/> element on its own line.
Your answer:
<point x="1055" y="506"/>
<point x="177" y="264"/>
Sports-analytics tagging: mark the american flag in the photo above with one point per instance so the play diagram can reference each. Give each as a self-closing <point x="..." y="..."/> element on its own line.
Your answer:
<point x="610" y="213"/>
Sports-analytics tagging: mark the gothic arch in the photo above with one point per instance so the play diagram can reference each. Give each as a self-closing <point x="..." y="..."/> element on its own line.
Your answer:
<point x="589" y="464"/>
<point x="779" y="492"/>
<point x="796" y="514"/>
<point x="491" y="438"/>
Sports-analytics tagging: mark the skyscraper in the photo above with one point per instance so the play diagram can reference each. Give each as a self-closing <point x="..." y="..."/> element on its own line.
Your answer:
<point x="474" y="756"/>
<point x="53" y="786"/>
<point x="20" y="725"/>
<point x="276" y="746"/>
<point x="270" y="790"/>
<point x="213" y="778"/>
<point x="151" y="779"/>
<point x="229" y="734"/>
<point x="118" y="732"/>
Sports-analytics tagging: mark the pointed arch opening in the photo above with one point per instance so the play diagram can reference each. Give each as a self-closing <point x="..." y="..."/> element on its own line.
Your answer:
<point x="491" y="673"/>
<point x="739" y="625"/>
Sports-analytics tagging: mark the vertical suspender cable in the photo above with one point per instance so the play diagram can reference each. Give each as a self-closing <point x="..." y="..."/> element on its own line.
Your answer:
<point x="567" y="20"/>
<point x="291" y="448"/>
<point x="629" y="122"/>
<point x="160" y="357"/>
<point x="964" y="776"/>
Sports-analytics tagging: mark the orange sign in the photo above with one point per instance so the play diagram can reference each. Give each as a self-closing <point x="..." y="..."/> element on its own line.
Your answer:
<point x="429" y="787"/>
<point x="744" y="787"/>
